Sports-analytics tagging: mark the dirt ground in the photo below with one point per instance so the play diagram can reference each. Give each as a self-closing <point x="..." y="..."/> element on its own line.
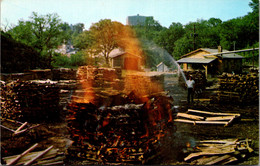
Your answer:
<point x="55" y="132"/>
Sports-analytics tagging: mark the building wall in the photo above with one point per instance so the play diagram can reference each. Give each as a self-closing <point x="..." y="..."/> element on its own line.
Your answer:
<point x="126" y="62"/>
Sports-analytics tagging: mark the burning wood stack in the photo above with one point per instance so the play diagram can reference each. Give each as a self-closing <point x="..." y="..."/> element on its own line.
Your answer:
<point x="123" y="130"/>
<point x="238" y="88"/>
<point x="29" y="100"/>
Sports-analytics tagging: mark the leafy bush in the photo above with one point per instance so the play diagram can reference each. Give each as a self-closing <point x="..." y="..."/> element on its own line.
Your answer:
<point x="74" y="60"/>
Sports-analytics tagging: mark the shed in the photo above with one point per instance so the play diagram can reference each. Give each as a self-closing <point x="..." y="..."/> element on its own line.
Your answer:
<point x="212" y="64"/>
<point x="125" y="60"/>
<point x="161" y="67"/>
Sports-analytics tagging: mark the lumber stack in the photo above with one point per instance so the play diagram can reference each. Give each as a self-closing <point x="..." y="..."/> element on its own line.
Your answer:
<point x="97" y="77"/>
<point x="118" y="134"/>
<point x="205" y="117"/>
<point x="49" y="156"/>
<point x="219" y="152"/>
<point x="238" y="88"/>
<point x="30" y="100"/>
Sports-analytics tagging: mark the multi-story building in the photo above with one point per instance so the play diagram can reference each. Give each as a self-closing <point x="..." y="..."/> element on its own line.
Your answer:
<point x="136" y="20"/>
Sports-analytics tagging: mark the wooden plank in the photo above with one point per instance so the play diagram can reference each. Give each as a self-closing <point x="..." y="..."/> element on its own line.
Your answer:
<point x="21" y="155"/>
<point x="212" y="113"/>
<point x="194" y="117"/>
<point x="210" y="152"/>
<point x="203" y="160"/>
<point x="230" y="121"/>
<point x="29" y="156"/>
<point x="55" y="163"/>
<point x="38" y="156"/>
<point x="22" y="126"/>
<point x="7" y="128"/>
<point x="200" y="122"/>
<point x="50" y="161"/>
<point x="223" y="141"/>
<point x="220" y="118"/>
<point x="231" y="159"/>
<point x="219" y="159"/>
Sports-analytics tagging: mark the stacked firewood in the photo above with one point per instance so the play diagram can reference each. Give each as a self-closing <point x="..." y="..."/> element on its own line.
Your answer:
<point x="97" y="77"/>
<point x="64" y="74"/>
<point x="238" y="88"/>
<point x="218" y="152"/>
<point x="29" y="100"/>
<point x="119" y="134"/>
<point x="198" y="76"/>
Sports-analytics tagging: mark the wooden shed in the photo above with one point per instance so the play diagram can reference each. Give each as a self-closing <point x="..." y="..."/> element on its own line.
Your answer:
<point x="201" y="59"/>
<point x="125" y="60"/>
<point x="161" y="67"/>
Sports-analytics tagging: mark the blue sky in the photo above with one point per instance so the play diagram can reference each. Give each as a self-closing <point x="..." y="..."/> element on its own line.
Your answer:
<point x="91" y="11"/>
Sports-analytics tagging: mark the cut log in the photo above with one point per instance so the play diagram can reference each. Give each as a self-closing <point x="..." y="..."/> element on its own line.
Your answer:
<point x="212" y="113"/>
<point x="220" y="118"/>
<point x="21" y="155"/>
<point x="194" y="117"/>
<point x="199" y="122"/>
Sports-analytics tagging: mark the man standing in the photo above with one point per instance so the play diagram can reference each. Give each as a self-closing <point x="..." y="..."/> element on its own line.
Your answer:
<point x="190" y="85"/>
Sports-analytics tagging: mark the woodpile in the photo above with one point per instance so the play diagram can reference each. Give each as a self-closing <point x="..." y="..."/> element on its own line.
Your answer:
<point x="29" y="100"/>
<point x="64" y="74"/>
<point x="218" y="152"/>
<point x="49" y="156"/>
<point x="118" y="134"/>
<point x="98" y="77"/>
<point x="242" y="89"/>
<point x="198" y="76"/>
<point x="204" y="117"/>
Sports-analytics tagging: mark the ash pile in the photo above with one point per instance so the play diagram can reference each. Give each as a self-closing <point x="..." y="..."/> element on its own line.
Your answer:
<point x="117" y="124"/>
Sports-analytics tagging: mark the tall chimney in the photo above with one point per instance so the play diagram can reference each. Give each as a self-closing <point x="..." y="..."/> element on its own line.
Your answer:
<point x="219" y="49"/>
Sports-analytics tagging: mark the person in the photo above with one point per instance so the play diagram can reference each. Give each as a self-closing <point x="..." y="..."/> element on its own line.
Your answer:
<point x="190" y="85"/>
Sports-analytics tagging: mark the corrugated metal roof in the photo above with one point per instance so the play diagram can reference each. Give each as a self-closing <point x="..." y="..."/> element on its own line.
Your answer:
<point x="196" y="60"/>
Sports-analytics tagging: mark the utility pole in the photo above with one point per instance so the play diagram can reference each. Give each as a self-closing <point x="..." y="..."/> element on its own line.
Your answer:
<point x="253" y="58"/>
<point x="193" y="36"/>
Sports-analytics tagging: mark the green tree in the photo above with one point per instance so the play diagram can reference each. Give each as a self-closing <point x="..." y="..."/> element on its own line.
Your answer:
<point x="105" y="35"/>
<point x="167" y="37"/>
<point x="42" y="32"/>
<point x="83" y="40"/>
